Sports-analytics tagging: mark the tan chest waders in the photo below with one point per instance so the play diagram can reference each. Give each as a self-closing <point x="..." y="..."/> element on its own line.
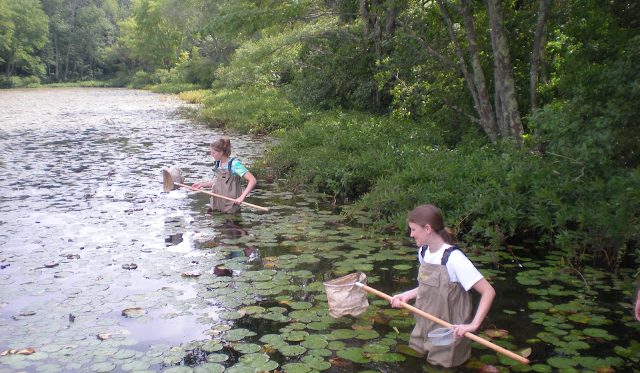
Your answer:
<point x="448" y="301"/>
<point x="226" y="184"/>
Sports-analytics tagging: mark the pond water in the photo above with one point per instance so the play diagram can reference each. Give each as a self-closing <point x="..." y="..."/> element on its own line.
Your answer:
<point x="102" y="271"/>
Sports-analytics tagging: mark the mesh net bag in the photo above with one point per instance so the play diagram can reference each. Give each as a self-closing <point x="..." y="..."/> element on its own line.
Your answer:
<point x="345" y="297"/>
<point x="169" y="176"/>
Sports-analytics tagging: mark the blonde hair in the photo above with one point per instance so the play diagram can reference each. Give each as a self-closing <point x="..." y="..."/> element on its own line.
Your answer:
<point x="430" y="214"/>
<point x="222" y="144"/>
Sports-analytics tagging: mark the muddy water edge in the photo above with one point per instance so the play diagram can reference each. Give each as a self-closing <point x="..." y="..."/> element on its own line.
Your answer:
<point x="102" y="271"/>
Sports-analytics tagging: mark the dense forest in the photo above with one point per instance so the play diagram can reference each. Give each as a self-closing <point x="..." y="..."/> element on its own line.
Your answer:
<point x="518" y="118"/>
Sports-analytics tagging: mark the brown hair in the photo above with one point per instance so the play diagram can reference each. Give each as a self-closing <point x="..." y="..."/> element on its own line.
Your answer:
<point x="222" y="144"/>
<point x="429" y="214"/>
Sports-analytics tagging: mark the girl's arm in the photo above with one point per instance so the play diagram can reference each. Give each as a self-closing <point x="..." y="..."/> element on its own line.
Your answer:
<point x="403" y="297"/>
<point x="202" y="184"/>
<point x="251" y="183"/>
<point x="487" y="294"/>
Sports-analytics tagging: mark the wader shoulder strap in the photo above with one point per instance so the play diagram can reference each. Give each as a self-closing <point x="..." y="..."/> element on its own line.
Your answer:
<point x="445" y="255"/>
<point x="216" y="164"/>
<point x="447" y="252"/>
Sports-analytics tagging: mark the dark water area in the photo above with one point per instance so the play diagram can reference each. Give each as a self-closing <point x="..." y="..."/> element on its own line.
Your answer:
<point x="100" y="270"/>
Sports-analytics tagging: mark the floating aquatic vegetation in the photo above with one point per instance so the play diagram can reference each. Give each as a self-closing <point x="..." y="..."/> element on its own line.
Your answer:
<point x="212" y="346"/>
<point x="217" y="358"/>
<point x="134" y="312"/>
<point x="257" y="362"/>
<point x="245" y="348"/>
<point x="355" y="354"/>
<point x="21" y="351"/>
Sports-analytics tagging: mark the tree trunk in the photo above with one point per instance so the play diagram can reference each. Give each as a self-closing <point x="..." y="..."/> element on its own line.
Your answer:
<point x="536" y="52"/>
<point x="377" y="28"/>
<point x="483" y="104"/>
<point x="364" y="14"/>
<point x="486" y="118"/>
<point x="56" y="53"/>
<point x="507" y="111"/>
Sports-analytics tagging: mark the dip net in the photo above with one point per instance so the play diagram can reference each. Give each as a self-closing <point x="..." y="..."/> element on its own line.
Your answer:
<point x="345" y="297"/>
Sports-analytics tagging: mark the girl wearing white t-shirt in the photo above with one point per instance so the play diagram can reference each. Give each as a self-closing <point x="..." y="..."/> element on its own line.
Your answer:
<point x="444" y="279"/>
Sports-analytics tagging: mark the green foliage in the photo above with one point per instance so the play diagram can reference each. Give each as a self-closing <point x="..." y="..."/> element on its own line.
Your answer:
<point x="597" y="125"/>
<point x="496" y="194"/>
<point x="23" y="34"/>
<point x="18" y="82"/>
<point x="251" y="110"/>
<point x="337" y="72"/>
<point x="343" y="153"/>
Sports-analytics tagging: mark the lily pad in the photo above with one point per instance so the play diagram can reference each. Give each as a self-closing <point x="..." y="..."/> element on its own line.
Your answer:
<point x="355" y="354"/>
<point x="297" y="368"/>
<point x="292" y="350"/>
<point x="315" y="342"/>
<point x="300" y="305"/>
<point x="217" y="358"/>
<point x="238" y="334"/>
<point x="209" y="367"/>
<point x="246" y="348"/>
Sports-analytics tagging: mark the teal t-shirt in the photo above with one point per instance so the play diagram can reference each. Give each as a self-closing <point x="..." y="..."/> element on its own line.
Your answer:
<point x="237" y="168"/>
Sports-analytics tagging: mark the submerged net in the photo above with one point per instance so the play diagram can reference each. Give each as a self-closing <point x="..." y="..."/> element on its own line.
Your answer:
<point x="170" y="176"/>
<point x="345" y="297"/>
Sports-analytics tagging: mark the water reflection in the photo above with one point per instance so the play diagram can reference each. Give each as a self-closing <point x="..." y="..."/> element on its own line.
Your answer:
<point x="81" y="204"/>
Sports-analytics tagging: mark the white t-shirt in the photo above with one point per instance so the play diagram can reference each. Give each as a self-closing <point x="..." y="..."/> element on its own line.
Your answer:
<point x="459" y="266"/>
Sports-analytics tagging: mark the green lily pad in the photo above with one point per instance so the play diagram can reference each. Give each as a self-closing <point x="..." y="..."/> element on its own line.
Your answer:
<point x="342" y="334"/>
<point x="209" y="368"/>
<point x="253" y="310"/>
<point x="238" y="334"/>
<point x="292" y="350"/>
<point x="246" y="348"/>
<point x="296" y="368"/>
<point x="355" y="354"/>
<point x="561" y="362"/>
<point x="295" y="336"/>
<point x="274" y="340"/>
<point x="316" y="362"/>
<point x="376" y="348"/>
<point x="217" y="358"/>
<point x="300" y="305"/>
<point x="232" y="315"/>
<point x="540" y="305"/>
<point x="258" y="361"/>
<point x="315" y="342"/>
<point x="366" y="334"/>
<point x="323" y="352"/>
<point x="390" y="357"/>
<point x="596" y="332"/>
